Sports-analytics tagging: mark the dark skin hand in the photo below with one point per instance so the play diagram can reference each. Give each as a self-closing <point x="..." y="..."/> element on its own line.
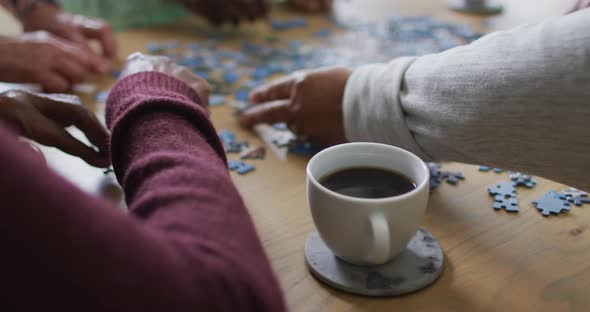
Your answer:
<point x="310" y="102"/>
<point x="77" y="29"/>
<point x="312" y="5"/>
<point x="40" y="57"/>
<point x="228" y="11"/>
<point x="43" y="118"/>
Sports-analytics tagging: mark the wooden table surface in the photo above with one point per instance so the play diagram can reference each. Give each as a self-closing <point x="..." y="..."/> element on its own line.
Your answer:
<point x="494" y="260"/>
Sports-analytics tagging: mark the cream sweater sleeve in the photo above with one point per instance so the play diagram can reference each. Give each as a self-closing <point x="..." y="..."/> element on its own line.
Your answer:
<point x="517" y="99"/>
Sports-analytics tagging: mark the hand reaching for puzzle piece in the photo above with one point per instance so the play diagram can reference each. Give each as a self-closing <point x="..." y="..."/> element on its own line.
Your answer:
<point x="44" y="117"/>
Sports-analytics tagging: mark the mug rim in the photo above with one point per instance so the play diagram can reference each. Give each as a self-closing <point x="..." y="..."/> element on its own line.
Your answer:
<point x="419" y="188"/>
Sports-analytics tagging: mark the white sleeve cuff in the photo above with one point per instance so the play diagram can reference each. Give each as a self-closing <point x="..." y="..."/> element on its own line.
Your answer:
<point x="372" y="109"/>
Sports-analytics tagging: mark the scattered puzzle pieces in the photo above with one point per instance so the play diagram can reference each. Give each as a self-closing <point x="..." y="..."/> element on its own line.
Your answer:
<point x="437" y="176"/>
<point x="242" y="95"/>
<point x="452" y="177"/>
<point x="575" y="196"/>
<point x="288" y="24"/>
<point x="579" y="200"/>
<point x="521" y="179"/>
<point x="551" y="203"/>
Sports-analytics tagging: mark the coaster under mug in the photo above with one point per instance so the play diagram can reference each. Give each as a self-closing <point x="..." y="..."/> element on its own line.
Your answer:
<point x="418" y="266"/>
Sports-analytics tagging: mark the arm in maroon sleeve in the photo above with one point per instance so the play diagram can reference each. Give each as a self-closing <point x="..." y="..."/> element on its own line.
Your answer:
<point x="187" y="245"/>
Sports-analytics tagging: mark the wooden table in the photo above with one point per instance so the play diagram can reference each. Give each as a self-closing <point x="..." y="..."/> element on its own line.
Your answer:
<point x="494" y="260"/>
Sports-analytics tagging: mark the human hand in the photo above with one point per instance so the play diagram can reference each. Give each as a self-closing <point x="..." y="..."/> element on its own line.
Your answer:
<point x="310" y="102"/>
<point x="233" y="11"/>
<point x="44" y="117"/>
<point x="39" y="57"/>
<point x="75" y="28"/>
<point x="312" y="5"/>
<point x="138" y="62"/>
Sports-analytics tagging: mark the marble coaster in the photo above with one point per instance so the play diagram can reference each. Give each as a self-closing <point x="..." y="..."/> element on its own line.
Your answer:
<point x="415" y="268"/>
<point x="484" y="9"/>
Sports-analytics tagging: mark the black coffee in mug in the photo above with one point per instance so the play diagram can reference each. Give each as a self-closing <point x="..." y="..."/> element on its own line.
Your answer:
<point x="367" y="182"/>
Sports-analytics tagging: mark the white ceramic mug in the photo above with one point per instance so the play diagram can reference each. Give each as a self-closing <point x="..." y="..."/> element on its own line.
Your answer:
<point x="366" y="231"/>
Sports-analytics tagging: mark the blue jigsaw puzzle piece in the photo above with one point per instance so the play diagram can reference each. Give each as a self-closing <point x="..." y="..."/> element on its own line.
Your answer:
<point x="509" y="204"/>
<point x="202" y="74"/>
<point x="227" y="136"/>
<point x="234" y="164"/>
<point x="483" y="168"/>
<point x="246" y="168"/>
<point x="452" y="177"/>
<point x="305" y="149"/>
<point x="155" y="48"/>
<point x="216" y="99"/>
<point x="288" y="24"/>
<point x="102" y="96"/>
<point x="521" y="179"/>
<point x="578" y="200"/>
<point x="260" y="73"/>
<point x="230" y="77"/>
<point x="281" y="126"/>
<point x="241" y="95"/>
<point x="551" y="203"/>
<point x="322" y="33"/>
<point x="505" y="189"/>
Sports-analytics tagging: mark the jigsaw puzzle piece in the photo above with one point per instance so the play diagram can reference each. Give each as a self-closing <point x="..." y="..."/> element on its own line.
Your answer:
<point x="551" y="203"/>
<point x="234" y="164"/>
<point x="509" y="204"/>
<point x="246" y="168"/>
<point x="505" y="189"/>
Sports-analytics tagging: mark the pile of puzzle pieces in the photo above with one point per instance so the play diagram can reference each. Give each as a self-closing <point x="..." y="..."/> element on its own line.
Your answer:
<point x="233" y="146"/>
<point x="437" y="176"/>
<point x="233" y="73"/>
<point x="555" y="203"/>
<point x="238" y="71"/>
<point x="552" y="202"/>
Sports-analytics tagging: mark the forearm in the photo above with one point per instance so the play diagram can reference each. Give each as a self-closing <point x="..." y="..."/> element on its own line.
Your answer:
<point x="169" y="160"/>
<point x="188" y="243"/>
<point x="518" y="99"/>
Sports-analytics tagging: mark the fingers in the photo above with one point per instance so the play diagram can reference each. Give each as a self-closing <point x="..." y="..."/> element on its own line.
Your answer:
<point x="102" y="32"/>
<point x="73" y="71"/>
<point x="85" y="57"/>
<point x="276" y="90"/>
<point x="96" y="133"/>
<point x="67" y="110"/>
<point x="271" y="113"/>
<point x="53" y="82"/>
<point x="50" y="134"/>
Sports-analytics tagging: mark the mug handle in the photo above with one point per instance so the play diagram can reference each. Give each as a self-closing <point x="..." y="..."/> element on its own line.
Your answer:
<point x="381" y="246"/>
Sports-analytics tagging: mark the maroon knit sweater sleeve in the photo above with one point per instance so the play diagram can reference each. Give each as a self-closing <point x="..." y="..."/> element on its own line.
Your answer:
<point x="188" y="243"/>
